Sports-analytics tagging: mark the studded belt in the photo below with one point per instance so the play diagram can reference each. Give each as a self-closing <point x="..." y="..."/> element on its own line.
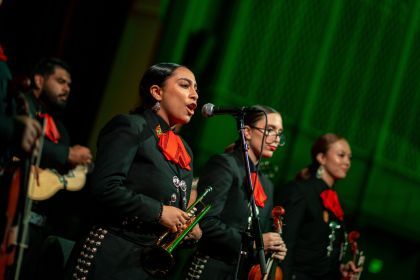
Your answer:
<point x="197" y="266"/>
<point x="89" y="249"/>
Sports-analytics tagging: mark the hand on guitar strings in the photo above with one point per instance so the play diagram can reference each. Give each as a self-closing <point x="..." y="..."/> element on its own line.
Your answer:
<point x="30" y="134"/>
<point x="79" y="155"/>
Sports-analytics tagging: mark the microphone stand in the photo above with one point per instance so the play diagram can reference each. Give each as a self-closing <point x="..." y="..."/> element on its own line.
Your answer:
<point x="255" y="225"/>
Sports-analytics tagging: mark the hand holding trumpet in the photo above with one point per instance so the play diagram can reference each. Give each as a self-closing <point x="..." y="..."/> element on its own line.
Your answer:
<point x="195" y="233"/>
<point x="158" y="259"/>
<point x="173" y="218"/>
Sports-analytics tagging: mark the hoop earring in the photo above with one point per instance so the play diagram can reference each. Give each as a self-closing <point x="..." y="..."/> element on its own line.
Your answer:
<point x="319" y="172"/>
<point x="156" y="107"/>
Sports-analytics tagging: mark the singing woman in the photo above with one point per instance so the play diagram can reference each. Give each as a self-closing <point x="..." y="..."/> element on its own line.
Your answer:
<point x="142" y="178"/>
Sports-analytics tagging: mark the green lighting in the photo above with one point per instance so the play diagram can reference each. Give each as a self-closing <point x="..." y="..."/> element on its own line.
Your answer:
<point x="375" y="266"/>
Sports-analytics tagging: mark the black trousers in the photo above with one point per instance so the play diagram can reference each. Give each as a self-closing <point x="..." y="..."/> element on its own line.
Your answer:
<point x="303" y="276"/>
<point x="103" y="255"/>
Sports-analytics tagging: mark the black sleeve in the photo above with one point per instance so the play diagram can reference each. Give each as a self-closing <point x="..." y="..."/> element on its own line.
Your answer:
<point x="8" y="126"/>
<point x="117" y="146"/>
<point x="9" y="130"/>
<point x="5" y="77"/>
<point x="219" y="173"/>
<point x="55" y="155"/>
<point x="293" y="201"/>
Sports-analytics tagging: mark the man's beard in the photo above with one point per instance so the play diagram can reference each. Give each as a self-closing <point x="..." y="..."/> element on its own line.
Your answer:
<point x="53" y="104"/>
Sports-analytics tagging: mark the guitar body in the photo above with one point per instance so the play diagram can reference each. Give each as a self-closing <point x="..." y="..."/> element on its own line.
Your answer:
<point x="44" y="183"/>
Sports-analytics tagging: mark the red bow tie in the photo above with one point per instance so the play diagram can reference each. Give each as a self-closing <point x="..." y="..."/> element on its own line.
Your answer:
<point x="3" y="57"/>
<point x="173" y="149"/>
<point x="50" y="130"/>
<point x="259" y="194"/>
<point x="331" y="202"/>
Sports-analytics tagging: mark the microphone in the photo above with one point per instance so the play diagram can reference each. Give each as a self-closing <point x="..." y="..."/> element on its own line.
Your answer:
<point x="209" y="110"/>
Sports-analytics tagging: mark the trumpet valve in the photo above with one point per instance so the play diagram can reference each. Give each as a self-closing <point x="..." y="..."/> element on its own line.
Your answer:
<point x="192" y="212"/>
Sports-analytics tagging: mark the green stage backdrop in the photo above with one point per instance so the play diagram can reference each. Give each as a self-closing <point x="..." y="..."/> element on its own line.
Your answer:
<point x="350" y="67"/>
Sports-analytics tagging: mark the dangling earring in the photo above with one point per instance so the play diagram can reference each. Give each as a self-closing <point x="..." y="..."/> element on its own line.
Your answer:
<point x="319" y="172"/>
<point x="156" y="107"/>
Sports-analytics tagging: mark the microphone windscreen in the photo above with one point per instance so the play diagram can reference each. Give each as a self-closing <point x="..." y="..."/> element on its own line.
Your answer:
<point x="207" y="110"/>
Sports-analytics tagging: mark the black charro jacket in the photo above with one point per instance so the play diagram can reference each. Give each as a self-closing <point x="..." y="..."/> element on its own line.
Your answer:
<point x="306" y="233"/>
<point x="225" y="225"/>
<point x="132" y="180"/>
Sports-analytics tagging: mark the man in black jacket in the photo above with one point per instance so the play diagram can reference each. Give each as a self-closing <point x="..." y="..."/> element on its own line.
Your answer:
<point x="51" y="81"/>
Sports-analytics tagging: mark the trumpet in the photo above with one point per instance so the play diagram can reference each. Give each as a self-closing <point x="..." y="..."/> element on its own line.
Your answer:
<point x="158" y="259"/>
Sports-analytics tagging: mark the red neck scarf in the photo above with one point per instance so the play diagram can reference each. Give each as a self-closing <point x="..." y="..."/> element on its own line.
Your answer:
<point x="50" y="130"/>
<point x="173" y="148"/>
<point x="3" y="57"/>
<point x="331" y="202"/>
<point x="259" y="194"/>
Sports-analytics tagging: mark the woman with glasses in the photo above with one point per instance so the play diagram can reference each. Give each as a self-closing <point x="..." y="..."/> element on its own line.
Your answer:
<point x="226" y="226"/>
<point x="314" y="228"/>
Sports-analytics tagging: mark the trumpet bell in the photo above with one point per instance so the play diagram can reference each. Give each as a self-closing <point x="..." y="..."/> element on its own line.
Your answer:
<point x="157" y="261"/>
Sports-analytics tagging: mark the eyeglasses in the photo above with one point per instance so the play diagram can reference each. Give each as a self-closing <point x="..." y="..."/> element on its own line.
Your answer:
<point x="272" y="134"/>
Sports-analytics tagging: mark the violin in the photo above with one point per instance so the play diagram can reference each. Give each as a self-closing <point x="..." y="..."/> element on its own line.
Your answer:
<point x="274" y="271"/>
<point x="18" y="209"/>
<point x="7" y="249"/>
<point x="357" y="256"/>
